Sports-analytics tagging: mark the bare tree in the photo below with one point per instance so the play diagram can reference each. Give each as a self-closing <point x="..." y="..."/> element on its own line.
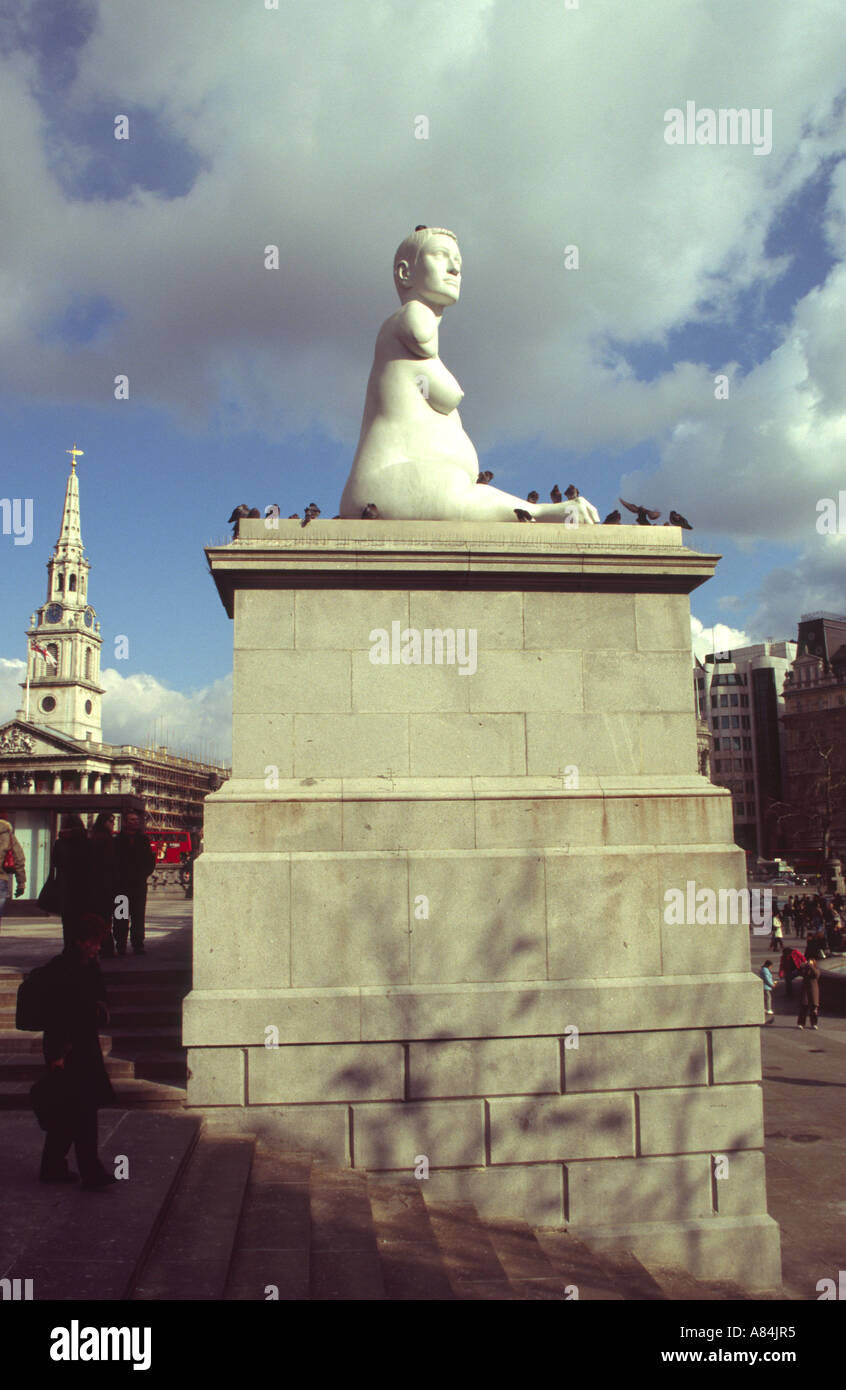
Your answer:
<point x="819" y="799"/>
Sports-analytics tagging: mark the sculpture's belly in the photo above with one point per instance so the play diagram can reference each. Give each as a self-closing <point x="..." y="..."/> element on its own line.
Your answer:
<point x="410" y="473"/>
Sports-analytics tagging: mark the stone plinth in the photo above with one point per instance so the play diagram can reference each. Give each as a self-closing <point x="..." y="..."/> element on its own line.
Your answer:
<point x="441" y="894"/>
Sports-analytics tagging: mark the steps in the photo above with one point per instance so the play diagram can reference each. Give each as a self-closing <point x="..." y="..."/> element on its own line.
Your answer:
<point x="141" y="1044"/>
<point x="248" y="1223"/>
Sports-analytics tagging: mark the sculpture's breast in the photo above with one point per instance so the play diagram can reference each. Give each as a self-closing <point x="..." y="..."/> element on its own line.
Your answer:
<point x="439" y="387"/>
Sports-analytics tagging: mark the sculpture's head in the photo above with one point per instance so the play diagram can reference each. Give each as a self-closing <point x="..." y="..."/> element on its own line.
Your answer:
<point x="427" y="266"/>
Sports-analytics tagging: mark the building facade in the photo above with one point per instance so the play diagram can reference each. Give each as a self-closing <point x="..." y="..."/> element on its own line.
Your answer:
<point x="52" y="755"/>
<point x="739" y="695"/>
<point x="815" y="740"/>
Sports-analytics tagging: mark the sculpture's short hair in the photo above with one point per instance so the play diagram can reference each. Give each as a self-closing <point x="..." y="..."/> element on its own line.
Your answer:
<point x="410" y="249"/>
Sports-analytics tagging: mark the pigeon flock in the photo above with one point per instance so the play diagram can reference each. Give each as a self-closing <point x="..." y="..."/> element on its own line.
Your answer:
<point x="644" y="516"/>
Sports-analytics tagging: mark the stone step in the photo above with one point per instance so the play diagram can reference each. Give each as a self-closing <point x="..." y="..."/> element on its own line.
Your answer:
<point x="681" y="1287"/>
<point x="15" y="1041"/>
<point x="412" y="1262"/>
<point x="529" y="1269"/>
<point x="344" y="1259"/>
<point x="135" y="972"/>
<point x="29" y="1066"/>
<point x="271" y="1257"/>
<point x="144" y="994"/>
<point x="192" y="1255"/>
<point x="162" y="1066"/>
<point x="131" y="1092"/>
<point x="580" y="1268"/>
<point x="78" y="1245"/>
<point x="159" y="1015"/>
<point x="469" y="1255"/>
<point x="156" y="1038"/>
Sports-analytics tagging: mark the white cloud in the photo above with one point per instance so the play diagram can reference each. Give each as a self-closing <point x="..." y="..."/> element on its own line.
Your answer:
<point x="135" y="706"/>
<point x="139" y="708"/>
<point x="719" y="638"/>
<point x="546" y="130"/>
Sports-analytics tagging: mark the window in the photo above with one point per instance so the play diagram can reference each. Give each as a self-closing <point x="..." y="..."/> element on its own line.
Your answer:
<point x="715" y="723"/>
<point x="747" y="744"/>
<point x="732" y="699"/>
<point x="744" y="702"/>
<point x="744" y="721"/>
<point x="724" y="699"/>
<point x="61" y="582"/>
<point x="88" y="664"/>
<point x="724" y="721"/>
<point x="735" y="743"/>
<point x="735" y="721"/>
<point x="716" y="745"/>
<point x="72" y="582"/>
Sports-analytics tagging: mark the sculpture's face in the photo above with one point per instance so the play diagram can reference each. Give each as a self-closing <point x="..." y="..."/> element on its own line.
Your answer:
<point x="435" y="276"/>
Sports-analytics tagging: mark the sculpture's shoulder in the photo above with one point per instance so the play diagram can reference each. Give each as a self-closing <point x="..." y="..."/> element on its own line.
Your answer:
<point x="416" y="327"/>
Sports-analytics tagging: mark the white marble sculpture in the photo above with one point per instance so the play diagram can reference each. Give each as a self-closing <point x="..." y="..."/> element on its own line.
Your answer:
<point x="414" y="460"/>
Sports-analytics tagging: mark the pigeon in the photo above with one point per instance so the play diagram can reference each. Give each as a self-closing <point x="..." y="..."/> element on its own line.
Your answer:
<point x="253" y="513"/>
<point x="485" y="477"/>
<point x="533" y="497"/>
<point x="294" y="516"/>
<point x="311" y="511"/>
<point x="572" y="491"/>
<point x="371" y="512"/>
<point x="676" y="519"/>
<point x="242" y="510"/>
<point x="613" y="518"/>
<point x="521" y="515"/>
<point x="641" y="512"/>
<point x="555" y="495"/>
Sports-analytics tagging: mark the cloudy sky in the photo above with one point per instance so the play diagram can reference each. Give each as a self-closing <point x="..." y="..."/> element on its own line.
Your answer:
<point x="694" y="358"/>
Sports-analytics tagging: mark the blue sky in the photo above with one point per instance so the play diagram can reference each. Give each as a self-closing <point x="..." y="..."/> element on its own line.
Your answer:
<point x="298" y="127"/>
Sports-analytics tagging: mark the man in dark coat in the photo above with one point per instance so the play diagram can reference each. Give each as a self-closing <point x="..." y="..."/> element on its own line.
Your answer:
<point x="72" y="864"/>
<point x="75" y="1006"/>
<point x="103" y="874"/>
<point x="135" y="862"/>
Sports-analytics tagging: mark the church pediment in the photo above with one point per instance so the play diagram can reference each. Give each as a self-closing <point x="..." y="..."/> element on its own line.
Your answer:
<point x="19" y="738"/>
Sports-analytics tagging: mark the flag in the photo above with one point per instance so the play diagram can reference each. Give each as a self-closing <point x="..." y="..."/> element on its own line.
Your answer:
<point x="48" y="656"/>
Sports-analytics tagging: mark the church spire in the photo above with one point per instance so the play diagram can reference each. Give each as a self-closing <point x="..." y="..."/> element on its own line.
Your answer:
<point x="69" y="545"/>
<point x="63" y="653"/>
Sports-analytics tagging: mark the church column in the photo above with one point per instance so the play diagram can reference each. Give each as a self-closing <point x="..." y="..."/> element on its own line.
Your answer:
<point x="98" y="784"/>
<point x="4" y="786"/>
<point x="57" y="782"/>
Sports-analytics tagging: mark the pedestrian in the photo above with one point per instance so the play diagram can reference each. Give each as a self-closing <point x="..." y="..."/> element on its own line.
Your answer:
<point x="809" y="999"/>
<point x="789" y="967"/>
<point x="72" y="859"/>
<point x="788" y="917"/>
<point x="769" y="986"/>
<point x="12" y="864"/>
<point x="75" y="1005"/>
<point x="136" y="860"/>
<point x="777" y="936"/>
<point x="103" y="875"/>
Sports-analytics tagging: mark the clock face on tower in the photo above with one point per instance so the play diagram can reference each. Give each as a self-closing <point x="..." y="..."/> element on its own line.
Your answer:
<point x="54" y="613"/>
<point x="89" y="617"/>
